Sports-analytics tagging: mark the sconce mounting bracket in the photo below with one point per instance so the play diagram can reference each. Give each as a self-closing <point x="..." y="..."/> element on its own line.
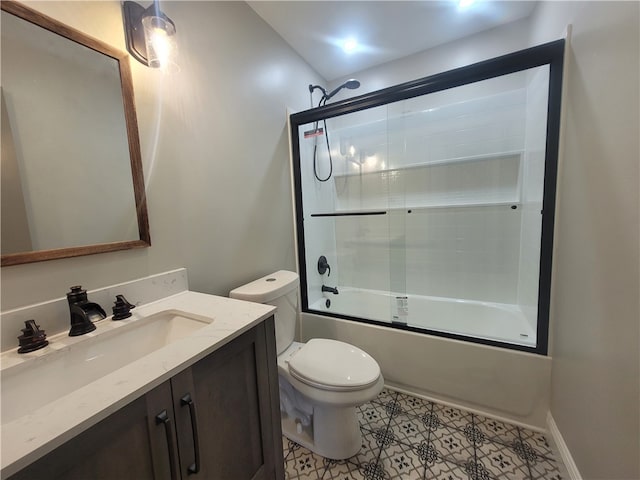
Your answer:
<point x="134" y="32"/>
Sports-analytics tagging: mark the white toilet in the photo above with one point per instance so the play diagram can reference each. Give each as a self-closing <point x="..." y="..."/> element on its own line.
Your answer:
<point x="321" y="381"/>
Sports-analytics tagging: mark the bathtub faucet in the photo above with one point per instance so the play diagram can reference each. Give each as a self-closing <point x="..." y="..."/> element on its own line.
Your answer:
<point x="333" y="290"/>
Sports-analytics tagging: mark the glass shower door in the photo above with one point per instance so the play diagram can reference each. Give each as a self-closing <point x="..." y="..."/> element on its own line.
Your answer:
<point x="349" y="217"/>
<point x="431" y="209"/>
<point x="396" y="157"/>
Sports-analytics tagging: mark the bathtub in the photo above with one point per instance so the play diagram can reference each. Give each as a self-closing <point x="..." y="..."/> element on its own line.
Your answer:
<point x="503" y="383"/>
<point x="486" y="320"/>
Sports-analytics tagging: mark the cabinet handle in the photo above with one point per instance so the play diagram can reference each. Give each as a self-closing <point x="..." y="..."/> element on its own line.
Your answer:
<point x="163" y="418"/>
<point x="187" y="400"/>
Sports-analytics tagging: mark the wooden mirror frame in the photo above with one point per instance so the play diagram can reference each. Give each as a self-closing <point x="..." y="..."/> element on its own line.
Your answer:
<point x="122" y="58"/>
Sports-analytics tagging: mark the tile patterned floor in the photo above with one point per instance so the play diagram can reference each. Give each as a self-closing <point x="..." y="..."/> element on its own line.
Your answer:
<point x="405" y="437"/>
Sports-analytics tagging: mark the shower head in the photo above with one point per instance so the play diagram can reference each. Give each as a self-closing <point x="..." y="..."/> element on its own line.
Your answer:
<point x="351" y="84"/>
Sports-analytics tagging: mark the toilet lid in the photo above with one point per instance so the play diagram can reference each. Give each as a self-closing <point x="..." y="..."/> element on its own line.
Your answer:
<point x="333" y="365"/>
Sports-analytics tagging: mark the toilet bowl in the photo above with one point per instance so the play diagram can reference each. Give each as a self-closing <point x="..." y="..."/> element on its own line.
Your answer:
<point x="321" y="381"/>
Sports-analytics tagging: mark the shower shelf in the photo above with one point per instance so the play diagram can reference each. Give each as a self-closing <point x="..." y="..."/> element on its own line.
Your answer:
<point x="494" y="181"/>
<point x="512" y="155"/>
<point x="410" y="209"/>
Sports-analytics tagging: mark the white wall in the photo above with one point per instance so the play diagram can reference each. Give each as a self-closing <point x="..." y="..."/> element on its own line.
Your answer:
<point x="595" y="312"/>
<point x="491" y="43"/>
<point x="215" y="154"/>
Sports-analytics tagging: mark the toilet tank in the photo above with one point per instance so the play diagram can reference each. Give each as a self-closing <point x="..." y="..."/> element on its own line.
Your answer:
<point x="281" y="290"/>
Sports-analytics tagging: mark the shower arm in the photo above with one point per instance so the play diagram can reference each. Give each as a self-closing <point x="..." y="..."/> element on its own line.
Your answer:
<point x="317" y="87"/>
<point x="327" y="96"/>
<point x="314" y="87"/>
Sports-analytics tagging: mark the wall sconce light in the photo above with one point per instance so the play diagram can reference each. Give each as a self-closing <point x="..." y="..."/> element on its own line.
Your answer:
<point x="150" y="36"/>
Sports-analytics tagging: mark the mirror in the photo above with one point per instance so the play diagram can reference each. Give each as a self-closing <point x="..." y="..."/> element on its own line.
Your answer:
<point x="72" y="180"/>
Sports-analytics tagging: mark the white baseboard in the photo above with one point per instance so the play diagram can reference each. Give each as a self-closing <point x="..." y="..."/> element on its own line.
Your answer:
<point x="464" y="406"/>
<point x="561" y="449"/>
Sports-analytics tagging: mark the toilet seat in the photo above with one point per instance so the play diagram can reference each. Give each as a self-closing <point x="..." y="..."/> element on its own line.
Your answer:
<point x="333" y="365"/>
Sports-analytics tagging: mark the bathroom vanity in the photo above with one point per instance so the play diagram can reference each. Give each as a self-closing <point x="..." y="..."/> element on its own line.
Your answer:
<point x="205" y="405"/>
<point x="154" y="437"/>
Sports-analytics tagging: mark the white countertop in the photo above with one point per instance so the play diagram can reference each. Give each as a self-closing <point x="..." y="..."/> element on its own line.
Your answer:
<point x="31" y="436"/>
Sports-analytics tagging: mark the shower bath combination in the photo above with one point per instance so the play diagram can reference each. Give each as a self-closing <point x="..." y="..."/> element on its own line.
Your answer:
<point x="351" y="84"/>
<point x="440" y="230"/>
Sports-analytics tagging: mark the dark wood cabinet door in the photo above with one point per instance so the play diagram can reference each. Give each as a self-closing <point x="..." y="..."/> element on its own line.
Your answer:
<point x="128" y="444"/>
<point x="238" y="425"/>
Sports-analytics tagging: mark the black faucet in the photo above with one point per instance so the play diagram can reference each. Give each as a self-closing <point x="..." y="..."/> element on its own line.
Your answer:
<point x="333" y="290"/>
<point x="83" y="312"/>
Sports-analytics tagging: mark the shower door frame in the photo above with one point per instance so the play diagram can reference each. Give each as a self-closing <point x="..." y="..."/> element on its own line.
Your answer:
<point x="551" y="54"/>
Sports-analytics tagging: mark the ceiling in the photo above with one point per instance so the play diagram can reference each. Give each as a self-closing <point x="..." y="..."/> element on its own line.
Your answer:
<point x="385" y="30"/>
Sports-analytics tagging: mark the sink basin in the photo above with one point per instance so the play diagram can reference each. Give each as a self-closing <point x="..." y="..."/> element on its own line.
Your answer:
<point x="67" y="365"/>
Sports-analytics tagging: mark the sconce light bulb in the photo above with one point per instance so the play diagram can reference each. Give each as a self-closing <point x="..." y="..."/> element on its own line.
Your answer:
<point x="160" y="41"/>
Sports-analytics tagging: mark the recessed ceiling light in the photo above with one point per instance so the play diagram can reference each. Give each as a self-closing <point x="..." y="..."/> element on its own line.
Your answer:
<point x="464" y="4"/>
<point x="350" y="45"/>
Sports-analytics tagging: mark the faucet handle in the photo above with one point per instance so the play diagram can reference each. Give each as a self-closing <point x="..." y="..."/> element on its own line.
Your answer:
<point x="323" y="266"/>
<point x="121" y="308"/>
<point x="32" y="337"/>
<point x="77" y="295"/>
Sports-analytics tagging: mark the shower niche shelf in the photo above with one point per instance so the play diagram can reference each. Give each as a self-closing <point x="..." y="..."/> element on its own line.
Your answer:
<point x="469" y="181"/>
<point x="514" y="155"/>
